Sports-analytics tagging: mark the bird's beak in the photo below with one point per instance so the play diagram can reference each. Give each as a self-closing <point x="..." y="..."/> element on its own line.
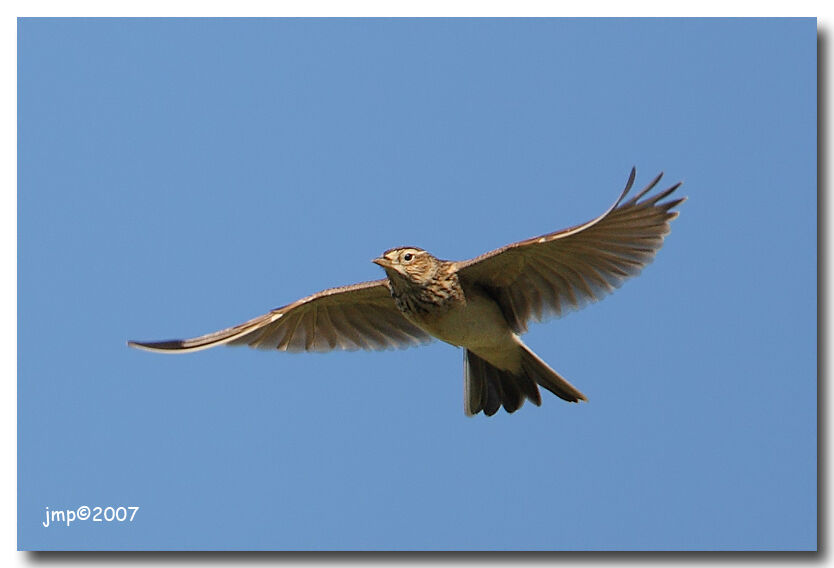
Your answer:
<point x="383" y="262"/>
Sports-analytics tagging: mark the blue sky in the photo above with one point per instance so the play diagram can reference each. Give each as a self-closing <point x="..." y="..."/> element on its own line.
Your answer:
<point x="180" y="176"/>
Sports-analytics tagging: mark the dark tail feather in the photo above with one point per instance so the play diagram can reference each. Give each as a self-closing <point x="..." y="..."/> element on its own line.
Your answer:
<point x="487" y="388"/>
<point x="541" y="372"/>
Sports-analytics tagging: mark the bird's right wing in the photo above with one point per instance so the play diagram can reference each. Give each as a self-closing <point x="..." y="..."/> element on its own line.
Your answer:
<point x="361" y="316"/>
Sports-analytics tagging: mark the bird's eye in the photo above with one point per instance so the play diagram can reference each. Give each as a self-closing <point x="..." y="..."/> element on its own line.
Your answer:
<point x="408" y="256"/>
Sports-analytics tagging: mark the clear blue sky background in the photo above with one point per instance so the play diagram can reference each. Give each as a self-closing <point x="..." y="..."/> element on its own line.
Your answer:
<point x="180" y="176"/>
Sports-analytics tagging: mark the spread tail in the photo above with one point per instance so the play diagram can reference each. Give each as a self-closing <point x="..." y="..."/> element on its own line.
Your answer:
<point x="488" y="388"/>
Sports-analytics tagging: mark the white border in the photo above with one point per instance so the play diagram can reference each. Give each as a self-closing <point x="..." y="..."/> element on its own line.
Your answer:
<point x="8" y="207"/>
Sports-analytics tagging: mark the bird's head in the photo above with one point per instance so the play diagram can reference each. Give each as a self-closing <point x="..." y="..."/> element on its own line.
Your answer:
<point x="408" y="263"/>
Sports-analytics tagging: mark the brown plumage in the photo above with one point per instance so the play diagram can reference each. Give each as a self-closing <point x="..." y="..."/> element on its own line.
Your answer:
<point x="482" y="304"/>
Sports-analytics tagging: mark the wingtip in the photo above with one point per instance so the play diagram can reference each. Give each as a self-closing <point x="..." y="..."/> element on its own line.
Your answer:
<point x="172" y="346"/>
<point x="629" y="184"/>
<point x="139" y="345"/>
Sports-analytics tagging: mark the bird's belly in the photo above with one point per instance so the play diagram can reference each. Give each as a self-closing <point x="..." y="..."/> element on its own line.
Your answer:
<point x="476" y="322"/>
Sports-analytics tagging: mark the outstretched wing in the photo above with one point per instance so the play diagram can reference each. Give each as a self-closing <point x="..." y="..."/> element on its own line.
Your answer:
<point x="547" y="275"/>
<point x="361" y="316"/>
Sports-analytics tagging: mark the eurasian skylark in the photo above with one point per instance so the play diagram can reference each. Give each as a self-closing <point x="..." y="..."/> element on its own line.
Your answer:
<point x="482" y="304"/>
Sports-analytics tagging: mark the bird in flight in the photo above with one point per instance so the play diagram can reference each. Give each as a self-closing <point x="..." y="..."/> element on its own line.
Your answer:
<point x="483" y="304"/>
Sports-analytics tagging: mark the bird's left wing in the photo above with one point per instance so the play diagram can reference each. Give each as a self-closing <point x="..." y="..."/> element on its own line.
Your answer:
<point x="547" y="275"/>
<point x="361" y="316"/>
